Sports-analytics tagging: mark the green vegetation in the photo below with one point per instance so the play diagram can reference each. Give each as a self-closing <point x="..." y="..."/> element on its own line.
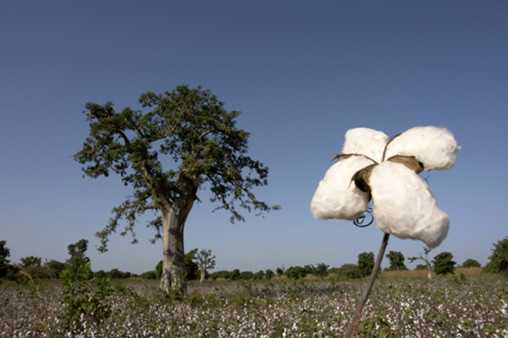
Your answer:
<point x="444" y="263"/>
<point x="498" y="261"/>
<point x="191" y="129"/>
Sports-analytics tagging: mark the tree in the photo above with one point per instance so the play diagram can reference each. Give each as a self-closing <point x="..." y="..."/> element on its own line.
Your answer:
<point x="321" y="269"/>
<point x="498" y="260"/>
<point x="191" y="269"/>
<point x="471" y="263"/>
<point x="190" y="129"/>
<point x="54" y="268"/>
<point x="396" y="260"/>
<point x="443" y="263"/>
<point x="269" y="274"/>
<point x="30" y="262"/>
<point x="366" y="263"/>
<point x="205" y="261"/>
<point x="424" y="258"/>
<point x="4" y="259"/>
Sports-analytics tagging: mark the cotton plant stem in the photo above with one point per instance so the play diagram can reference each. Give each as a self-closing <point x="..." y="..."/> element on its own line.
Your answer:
<point x="353" y="327"/>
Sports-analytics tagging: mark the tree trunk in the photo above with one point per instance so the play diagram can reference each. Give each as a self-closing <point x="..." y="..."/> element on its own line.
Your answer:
<point x="202" y="275"/>
<point x="173" y="254"/>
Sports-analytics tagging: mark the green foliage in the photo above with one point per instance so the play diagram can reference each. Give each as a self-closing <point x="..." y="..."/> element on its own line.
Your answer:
<point x="498" y="261"/>
<point x="269" y="274"/>
<point x="366" y="263"/>
<point x="189" y="129"/>
<point x="396" y="260"/>
<point x="149" y="275"/>
<point x="4" y="259"/>
<point x="83" y="296"/>
<point x="421" y="267"/>
<point x="347" y="271"/>
<point x="444" y="263"/>
<point x="54" y="268"/>
<point x="471" y="263"/>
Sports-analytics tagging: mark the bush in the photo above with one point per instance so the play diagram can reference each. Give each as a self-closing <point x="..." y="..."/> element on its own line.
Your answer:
<point x="498" y="261"/>
<point x="471" y="263"/>
<point x="83" y="296"/>
<point x="366" y="263"/>
<point x="443" y="263"/>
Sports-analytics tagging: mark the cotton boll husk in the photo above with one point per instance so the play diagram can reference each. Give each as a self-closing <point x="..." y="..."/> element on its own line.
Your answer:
<point x="365" y="141"/>
<point x="337" y="195"/>
<point x="435" y="147"/>
<point x="404" y="205"/>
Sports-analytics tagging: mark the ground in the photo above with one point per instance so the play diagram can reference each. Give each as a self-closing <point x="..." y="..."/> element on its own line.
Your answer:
<point x="401" y="305"/>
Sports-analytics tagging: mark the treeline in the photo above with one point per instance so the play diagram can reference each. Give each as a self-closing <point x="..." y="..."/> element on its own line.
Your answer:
<point x="35" y="267"/>
<point x="197" y="264"/>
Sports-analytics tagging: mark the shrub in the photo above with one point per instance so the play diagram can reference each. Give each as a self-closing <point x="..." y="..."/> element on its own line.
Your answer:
<point x="83" y="296"/>
<point x="444" y="263"/>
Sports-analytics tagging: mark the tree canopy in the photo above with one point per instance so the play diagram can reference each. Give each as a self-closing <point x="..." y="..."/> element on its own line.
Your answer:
<point x="166" y="150"/>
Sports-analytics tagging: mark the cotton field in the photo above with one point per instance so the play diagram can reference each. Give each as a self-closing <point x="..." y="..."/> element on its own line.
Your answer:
<point x="455" y="306"/>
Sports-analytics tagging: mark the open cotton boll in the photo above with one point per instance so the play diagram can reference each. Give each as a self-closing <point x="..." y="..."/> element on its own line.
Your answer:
<point x="336" y="195"/>
<point x="435" y="147"/>
<point x="365" y="141"/>
<point x="404" y="205"/>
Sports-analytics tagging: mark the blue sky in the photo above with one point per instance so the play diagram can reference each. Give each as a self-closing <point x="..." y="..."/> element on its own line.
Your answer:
<point x="301" y="73"/>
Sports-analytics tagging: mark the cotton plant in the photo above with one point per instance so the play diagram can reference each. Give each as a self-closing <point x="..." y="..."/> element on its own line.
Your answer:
<point x="373" y="167"/>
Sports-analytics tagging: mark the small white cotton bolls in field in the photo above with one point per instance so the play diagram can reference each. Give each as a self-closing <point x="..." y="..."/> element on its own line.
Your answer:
<point x="435" y="147"/>
<point x="365" y="141"/>
<point x="337" y="195"/>
<point x="404" y="205"/>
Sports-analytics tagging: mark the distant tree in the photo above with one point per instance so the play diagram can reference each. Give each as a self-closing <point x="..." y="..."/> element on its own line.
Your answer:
<point x="366" y="263"/>
<point x="205" y="261"/>
<point x="443" y="263"/>
<point x="31" y="262"/>
<point x="321" y="269"/>
<point x="269" y="274"/>
<point x="190" y="128"/>
<point x="54" y="268"/>
<point x="425" y="259"/>
<point x="4" y="259"/>
<point x="349" y="271"/>
<point x="235" y="274"/>
<point x="246" y="275"/>
<point x="259" y="275"/>
<point x="421" y="267"/>
<point x="396" y="260"/>
<point x="279" y="271"/>
<point x="498" y="261"/>
<point x="149" y="275"/>
<point x="471" y="263"/>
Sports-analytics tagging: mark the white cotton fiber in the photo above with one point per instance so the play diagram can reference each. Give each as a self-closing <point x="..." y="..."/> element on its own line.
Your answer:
<point x="404" y="205"/>
<point x="435" y="147"/>
<point x="336" y="195"/>
<point x="365" y="141"/>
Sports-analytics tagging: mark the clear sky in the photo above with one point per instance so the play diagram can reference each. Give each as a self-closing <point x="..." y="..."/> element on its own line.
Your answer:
<point x="301" y="73"/>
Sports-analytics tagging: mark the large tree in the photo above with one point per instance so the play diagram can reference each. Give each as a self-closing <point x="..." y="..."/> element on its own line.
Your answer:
<point x="178" y="142"/>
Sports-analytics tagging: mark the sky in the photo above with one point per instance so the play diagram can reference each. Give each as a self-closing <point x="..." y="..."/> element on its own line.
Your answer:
<point x="300" y="72"/>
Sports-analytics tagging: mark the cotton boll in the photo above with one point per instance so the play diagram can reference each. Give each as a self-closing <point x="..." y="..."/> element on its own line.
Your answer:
<point x="435" y="147"/>
<point x="404" y="205"/>
<point x="336" y="195"/>
<point x="365" y="141"/>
